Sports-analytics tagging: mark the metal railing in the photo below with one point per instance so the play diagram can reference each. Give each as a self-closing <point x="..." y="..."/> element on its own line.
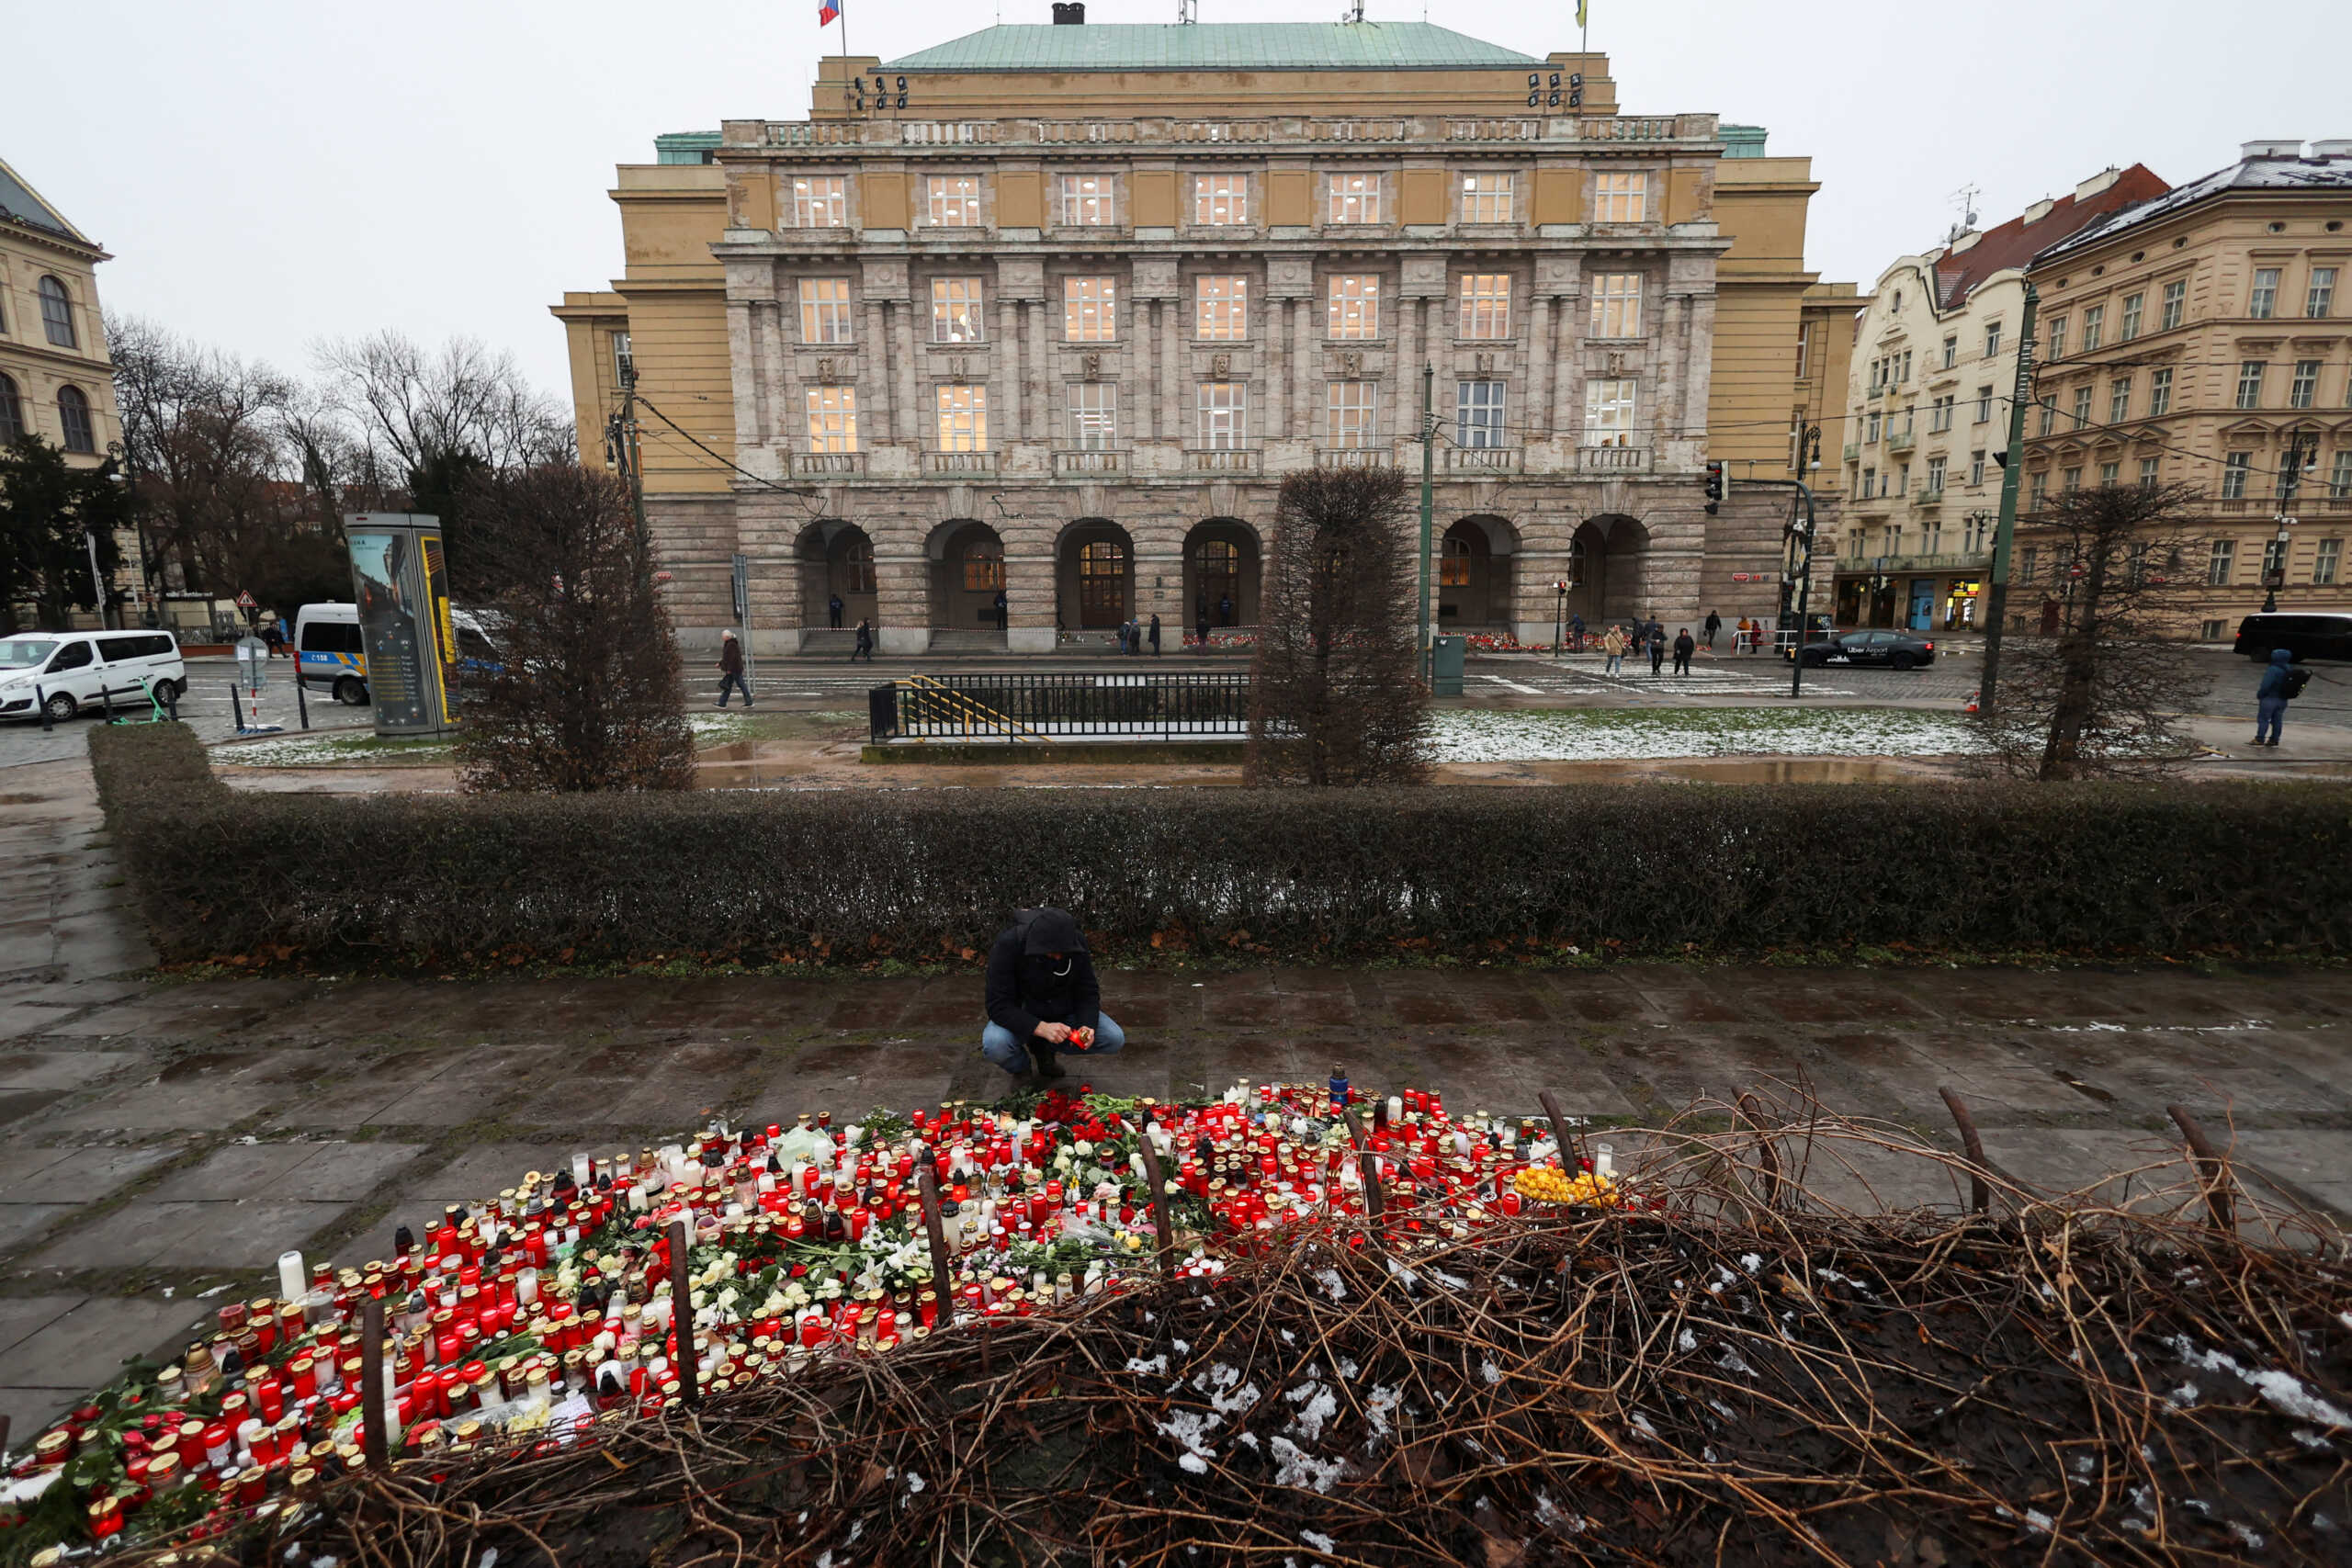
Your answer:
<point x="1018" y="709"/>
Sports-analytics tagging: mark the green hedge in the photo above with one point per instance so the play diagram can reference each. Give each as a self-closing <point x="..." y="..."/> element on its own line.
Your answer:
<point x="847" y="876"/>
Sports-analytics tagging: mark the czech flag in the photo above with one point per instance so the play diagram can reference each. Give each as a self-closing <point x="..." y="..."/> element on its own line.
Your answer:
<point x="829" y="10"/>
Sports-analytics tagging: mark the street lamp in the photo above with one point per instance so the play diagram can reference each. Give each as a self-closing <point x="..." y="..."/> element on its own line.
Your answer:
<point x="2290" y="475"/>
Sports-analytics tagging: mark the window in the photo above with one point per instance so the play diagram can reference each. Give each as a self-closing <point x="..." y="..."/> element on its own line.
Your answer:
<point x="1354" y="306"/>
<point x="1871" y="424"/>
<point x="1902" y="366"/>
<point x="983" y="567"/>
<point x="2250" y="382"/>
<point x="2262" y="300"/>
<point x="1478" y="415"/>
<point x="1870" y="482"/>
<point x="2176" y="304"/>
<point x="2133" y="306"/>
<point x="2159" y="393"/>
<point x="952" y="201"/>
<point x="2235" y="467"/>
<point x="1617" y="305"/>
<point x="2321" y="296"/>
<point x="1992" y="340"/>
<point x="1486" y="304"/>
<point x="56" y="313"/>
<point x="1939" y="413"/>
<point x="820" y="201"/>
<point x="1487" y="198"/>
<point x="12" y="414"/>
<point x="1935" y="476"/>
<point x="2071" y="480"/>
<point x="73" y="416"/>
<point x="2326" y="562"/>
<point x="1453" y="562"/>
<point x="1220" y="198"/>
<point x="1804" y="348"/>
<point x="1086" y="201"/>
<point x="2038" y="488"/>
<point x="2082" y="407"/>
<point x="2339" y="478"/>
<point x="622" y="364"/>
<point x="955" y="313"/>
<point x="1951" y="352"/>
<point x="1224" y="410"/>
<point x="833" y="419"/>
<point x="1609" y="413"/>
<point x="2119" y="399"/>
<point x="2029" y="563"/>
<point x="2151" y="472"/>
<point x="2049" y="414"/>
<point x="1976" y="468"/>
<point x="1353" y="411"/>
<point x="2274" y="559"/>
<point x="1090" y="310"/>
<point x="2057" y="337"/>
<point x="1903" y="479"/>
<point x="2094" y="323"/>
<point x="1094" y="416"/>
<point x="857" y="564"/>
<point x="962" y="418"/>
<point x="1355" y="198"/>
<point x="1620" y="198"/>
<point x="824" y="310"/>
<point x="2305" y="386"/>
<point x="1221" y="309"/>
<point x="2109" y="475"/>
<point x="1983" y="405"/>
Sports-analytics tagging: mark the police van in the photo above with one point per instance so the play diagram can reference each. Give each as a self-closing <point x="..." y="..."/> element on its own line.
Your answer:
<point x="329" y="656"/>
<point x="70" y="673"/>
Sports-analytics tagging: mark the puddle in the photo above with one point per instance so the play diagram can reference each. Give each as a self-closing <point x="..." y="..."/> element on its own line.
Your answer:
<point x="1739" y="771"/>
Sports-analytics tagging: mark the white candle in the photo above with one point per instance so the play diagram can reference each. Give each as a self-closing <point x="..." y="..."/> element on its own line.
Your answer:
<point x="293" y="1279"/>
<point x="579" y="1169"/>
<point x="527" y="1286"/>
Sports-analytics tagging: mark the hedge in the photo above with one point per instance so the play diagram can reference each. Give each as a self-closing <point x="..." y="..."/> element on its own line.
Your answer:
<point x="849" y="876"/>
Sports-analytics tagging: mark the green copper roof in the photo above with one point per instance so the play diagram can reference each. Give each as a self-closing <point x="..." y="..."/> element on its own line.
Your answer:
<point x="1261" y="46"/>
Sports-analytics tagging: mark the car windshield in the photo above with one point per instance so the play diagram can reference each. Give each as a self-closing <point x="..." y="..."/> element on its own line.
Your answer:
<point x="26" y="652"/>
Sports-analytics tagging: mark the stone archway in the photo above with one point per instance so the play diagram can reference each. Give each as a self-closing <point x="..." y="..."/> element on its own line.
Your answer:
<point x="1615" y="585"/>
<point x="965" y="562"/>
<point x="836" y="558"/>
<point x="1221" y="573"/>
<point x="1474" y="586"/>
<point x="1094" y="576"/>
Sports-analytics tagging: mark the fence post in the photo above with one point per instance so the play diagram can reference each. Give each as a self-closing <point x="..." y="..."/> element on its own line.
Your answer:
<point x="681" y="1313"/>
<point x="1368" y="1167"/>
<point x="942" y="1283"/>
<point x="301" y="703"/>
<point x="1158" y="1202"/>
<point x="1560" y="1129"/>
<point x="236" y="708"/>
<point x="1979" y="1192"/>
<point x="2210" y="1167"/>
<point x="172" y="700"/>
<point x="373" y="1435"/>
<point x="41" y="701"/>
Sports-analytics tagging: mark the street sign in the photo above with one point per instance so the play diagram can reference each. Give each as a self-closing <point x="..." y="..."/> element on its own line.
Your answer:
<point x="252" y="662"/>
<point x="246" y="601"/>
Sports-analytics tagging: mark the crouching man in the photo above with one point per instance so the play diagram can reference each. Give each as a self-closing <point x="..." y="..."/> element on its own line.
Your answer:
<point x="1043" y="998"/>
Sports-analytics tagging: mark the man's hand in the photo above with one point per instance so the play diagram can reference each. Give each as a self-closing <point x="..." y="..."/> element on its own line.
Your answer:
<point x="1053" y="1034"/>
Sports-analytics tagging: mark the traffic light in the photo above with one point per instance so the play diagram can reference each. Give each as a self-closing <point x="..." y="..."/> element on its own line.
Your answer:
<point x="1714" y="487"/>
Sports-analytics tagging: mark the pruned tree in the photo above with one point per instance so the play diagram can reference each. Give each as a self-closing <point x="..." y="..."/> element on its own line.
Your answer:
<point x="1336" y="692"/>
<point x="586" y="691"/>
<point x="2105" y="694"/>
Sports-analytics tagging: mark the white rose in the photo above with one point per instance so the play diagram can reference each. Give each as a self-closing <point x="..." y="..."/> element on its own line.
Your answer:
<point x="1082" y="1148"/>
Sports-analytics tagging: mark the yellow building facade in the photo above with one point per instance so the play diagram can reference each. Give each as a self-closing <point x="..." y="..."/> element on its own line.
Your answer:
<point x="1048" y="311"/>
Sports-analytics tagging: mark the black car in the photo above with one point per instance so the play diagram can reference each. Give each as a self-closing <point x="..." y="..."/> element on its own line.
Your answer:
<point x="1896" y="651"/>
<point x="2305" y="636"/>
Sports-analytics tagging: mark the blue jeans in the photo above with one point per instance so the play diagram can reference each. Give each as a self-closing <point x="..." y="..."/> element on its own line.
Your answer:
<point x="2269" y="713"/>
<point x="997" y="1044"/>
<point x="1615" y="665"/>
<point x="736" y="682"/>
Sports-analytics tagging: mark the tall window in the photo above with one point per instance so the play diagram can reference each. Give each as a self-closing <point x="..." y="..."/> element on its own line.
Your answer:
<point x="2235" y="468"/>
<point x="2071" y="479"/>
<point x="824" y="310"/>
<point x="2339" y="478"/>
<point x="2250" y="373"/>
<point x="2119" y="399"/>
<point x="1354" y="308"/>
<point x="820" y="201"/>
<point x="2057" y="337"/>
<point x="57" y="312"/>
<point x="962" y="418"/>
<point x="1804" y="348"/>
<point x="1976" y="466"/>
<point x="74" y="415"/>
<point x="2305" y="386"/>
<point x="2108" y="473"/>
<point x="1090" y="310"/>
<point x="2262" y="300"/>
<point x="1221" y="309"/>
<point x="1939" y="412"/>
<point x="1486" y="304"/>
<point x="1992" y="339"/>
<point x="1870" y="435"/>
<point x="1487" y="198"/>
<point x="1609" y="412"/>
<point x="955" y="312"/>
<point x="12" y="412"/>
<point x="1951" y="352"/>
<point x="983" y="567"/>
<point x="2082" y="407"/>
<point x="622" y="363"/>
<point x="1094" y="416"/>
<point x="2326" y="562"/>
<point x="2217" y="564"/>
<point x="1223" y="408"/>
<point x="1453" y="562"/>
<point x="1355" y="198"/>
<point x="2320" y="297"/>
<point x="1983" y="405"/>
<point x="2094" y="327"/>
<point x="1353" y="412"/>
<point x="2038" y="489"/>
<point x="1617" y="306"/>
<point x="2176" y="305"/>
<point x="2159" y="393"/>
<point x="2049" y="414"/>
<point x="1478" y="414"/>
<point x="1620" y="198"/>
<point x="2133" y="306"/>
<point x="1220" y="198"/>
<point x="857" y="564"/>
<point x="2151" y="472"/>
<point x="833" y="419"/>
<point x="952" y="201"/>
<point x="1936" y="469"/>
<point x="1086" y="201"/>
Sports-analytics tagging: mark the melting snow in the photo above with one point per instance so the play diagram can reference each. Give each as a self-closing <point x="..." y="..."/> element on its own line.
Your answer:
<point x="2285" y="1393"/>
<point x="1315" y="1404"/>
<point x="1296" y="1467"/>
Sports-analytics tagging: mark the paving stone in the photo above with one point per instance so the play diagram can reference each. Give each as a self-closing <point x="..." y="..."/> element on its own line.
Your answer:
<point x="22" y="1315"/>
<point x="17" y="1104"/>
<point x="85" y="1344"/>
<point x="67" y="1175"/>
<point x="303" y="1171"/>
<point x="20" y="1223"/>
<point x="2144" y="1171"/>
<point x="60" y="1069"/>
<point x="236" y="1235"/>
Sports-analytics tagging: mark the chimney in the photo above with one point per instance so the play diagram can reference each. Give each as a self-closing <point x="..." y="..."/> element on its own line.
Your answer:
<point x="1070" y="13"/>
<point x="2339" y="147"/>
<point x="2250" y="150"/>
<point x="2097" y="183"/>
<point x="2039" y="210"/>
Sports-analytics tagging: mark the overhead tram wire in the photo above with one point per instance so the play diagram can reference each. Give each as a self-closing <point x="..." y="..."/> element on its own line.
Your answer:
<point x="718" y="457"/>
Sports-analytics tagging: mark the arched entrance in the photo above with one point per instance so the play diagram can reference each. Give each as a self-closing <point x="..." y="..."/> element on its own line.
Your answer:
<point x="1221" y="573"/>
<point x="837" y="559"/>
<point x="1474" y="575"/>
<point x="1094" y="577"/>
<point x="1612" y="555"/>
<point x="966" y="566"/>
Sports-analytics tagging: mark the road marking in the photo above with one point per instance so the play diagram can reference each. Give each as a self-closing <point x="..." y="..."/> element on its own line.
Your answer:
<point x="1530" y="691"/>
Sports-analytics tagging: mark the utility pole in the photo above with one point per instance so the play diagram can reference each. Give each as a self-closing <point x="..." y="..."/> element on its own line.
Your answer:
<point x="1429" y="504"/>
<point x="627" y="453"/>
<point x="1796" y="545"/>
<point x="1996" y="590"/>
<point x="98" y="582"/>
<point x="2291" y="478"/>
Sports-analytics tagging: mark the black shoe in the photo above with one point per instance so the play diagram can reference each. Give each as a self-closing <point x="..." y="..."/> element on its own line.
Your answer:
<point x="2270" y="743"/>
<point x="1047" y="1069"/>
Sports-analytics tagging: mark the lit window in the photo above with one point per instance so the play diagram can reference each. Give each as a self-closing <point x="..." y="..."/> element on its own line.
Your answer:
<point x="2250" y="373"/>
<point x="1353" y="411"/>
<point x="2262" y="301"/>
<point x="2217" y="564"/>
<point x="1086" y="201"/>
<point x="2235" y="469"/>
<point x="1609" y="413"/>
<point x="1220" y="198"/>
<point x="2119" y="399"/>
<point x="1486" y="304"/>
<point x="1617" y="306"/>
<point x="983" y="567"/>
<point x="1221" y="309"/>
<point x="956" y="314"/>
<point x="1487" y="198"/>
<point x="2133" y="304"/>
<point x="1354" y="306"/>
<point x="2094" y="327"/>
<point x="1223" y="411"/>
<point x="73" y="416"/>
<point x="2319" y="298"/>
<point x="833" y="419"/>
<point x="1355" y="198"/>
<point x="1478" y="414"/>
<point x="953" y="202"/>
<point x="56" y="313"/>
<point x="2159" y="394"/>
<point x="2305" y="386"/>
<point x="1453" y="562"/>
<point x="1094" y="416"/>
<point x="820" y="201"/>
<point x="1620" y="198"/>
<point x="824" y="310"/>
<point x="2176" y="304"/>
<point x="1090" y="310"/>
<point x="962" y="418"/>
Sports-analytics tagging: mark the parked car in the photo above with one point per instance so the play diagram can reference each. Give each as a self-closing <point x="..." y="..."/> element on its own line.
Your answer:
<point x="328" y="655"/>
<point x="2304" y="635"/>
<point x="71" y="671"/>
<point x="1895" y="650"/>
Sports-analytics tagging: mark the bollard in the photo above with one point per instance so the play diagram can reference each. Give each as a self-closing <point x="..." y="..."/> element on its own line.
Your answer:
<point x="41" y="701"/>
<point x="374" y="1438"/>
<point x="172" y="700"/>
<point x="682" y="1316"/>
<point x="301" y="703"/>
<point x="106" y="701"/>
<point x="236" y="708"/>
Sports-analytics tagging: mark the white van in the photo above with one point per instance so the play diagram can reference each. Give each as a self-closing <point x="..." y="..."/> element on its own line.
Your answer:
<point x="329" y="656"/>
<point x="81" y="671"/>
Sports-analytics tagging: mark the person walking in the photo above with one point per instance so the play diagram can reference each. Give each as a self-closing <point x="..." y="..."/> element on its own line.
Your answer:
<point x="1613" y="649"/>
<point x="1715" y="623"/>
<point x="1576" y="633"/>
<point x="1654" y="636"/>
<point x="1155" y="634"/>
<point x="833" y="607"/>
<point x="730" y="670"/>
<point x="865" y="641"/>
<point x="1043" y="997"/>
<point x="2282" y="683"/>
<point x="1683" y="649"/>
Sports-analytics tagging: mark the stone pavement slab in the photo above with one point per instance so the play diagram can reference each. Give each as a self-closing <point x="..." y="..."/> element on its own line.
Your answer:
<point x="77" y="1343"/>
<point x="65" y="1174"/>
<point x="209" y="1237"/>
<point x="60" y="1069"/>
<point x="324" y="1172"/>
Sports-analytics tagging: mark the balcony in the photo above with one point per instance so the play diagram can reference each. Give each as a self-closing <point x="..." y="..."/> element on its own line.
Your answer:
<point x="1901" y="441"/>
<point x="1222" y="459"/>
<point x="836" y="465"/>
<point x="959" y="462"/>
<point x="1352" y="456"/>
<point x="1480" y="459"/>
<point x="1613" y="459"/>
<point x="1929" y="496"/>
<point x="1090" y="460"/>
<point x="1853" y="451"/>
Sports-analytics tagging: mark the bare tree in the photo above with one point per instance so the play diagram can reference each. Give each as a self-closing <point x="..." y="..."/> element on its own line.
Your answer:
<point x="2103" y="693"/>
<point x="1336" y="695"/>
<point x="421" y="403"/>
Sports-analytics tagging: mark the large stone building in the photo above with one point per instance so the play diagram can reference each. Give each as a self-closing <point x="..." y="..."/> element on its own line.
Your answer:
<point x="2194" y="339"/>
<point x="1927" y="407"/>
<point x="1053" y="309"/>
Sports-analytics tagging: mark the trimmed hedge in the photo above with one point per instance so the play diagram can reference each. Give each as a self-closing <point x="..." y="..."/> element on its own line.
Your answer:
<point x="2092" y="869"/>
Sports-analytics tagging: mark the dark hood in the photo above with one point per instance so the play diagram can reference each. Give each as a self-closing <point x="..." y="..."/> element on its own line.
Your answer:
<point x="1051" y="930"/>
<point x="2282" y="656"/>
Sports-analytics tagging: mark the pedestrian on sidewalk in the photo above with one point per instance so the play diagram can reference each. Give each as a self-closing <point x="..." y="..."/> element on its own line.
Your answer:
<point x="730" y="669"/>
<point x="1683" y="649"/>
<point x="1576" y="634"/>
<point x="1224" y="610"/>
<point x="1043" y="997"/>
<point x="1612" y="647"/>
<point x="1714" y="624"/>
<point x="1003" y="612"/>
<point x="1135" y="636"/>
<point x="1155" y="634"/>
<point x="865" y="641"/>
<point x="833" y="608"/>
<point x="2282" y="683"/>
<point x="1201" y="623"/>
<point x="1654" y="636"/>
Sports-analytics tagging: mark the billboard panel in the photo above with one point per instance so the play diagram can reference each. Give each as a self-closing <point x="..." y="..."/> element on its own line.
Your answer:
<point x="402" y="620"/>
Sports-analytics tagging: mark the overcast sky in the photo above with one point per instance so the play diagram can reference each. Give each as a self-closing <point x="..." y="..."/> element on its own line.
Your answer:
<point x="268" y="173"/>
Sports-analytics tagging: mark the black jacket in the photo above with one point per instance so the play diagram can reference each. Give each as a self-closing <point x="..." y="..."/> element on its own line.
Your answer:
<point x="1026" y="988"/>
